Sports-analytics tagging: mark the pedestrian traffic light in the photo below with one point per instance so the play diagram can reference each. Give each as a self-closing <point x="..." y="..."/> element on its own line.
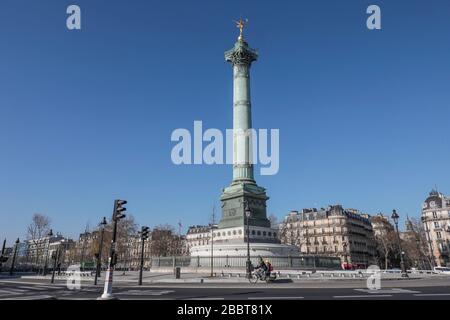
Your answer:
<point x="145" y="233"/>
<point x="119" y="209"/>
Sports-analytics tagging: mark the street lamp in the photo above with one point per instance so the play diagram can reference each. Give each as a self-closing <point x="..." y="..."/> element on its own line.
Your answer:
<point x="49" y="235"/>
<point x="248" y="213"/>
<point x="103" y="223"/>
<point x="11" y="271"/>
<point x="395" y="217"/>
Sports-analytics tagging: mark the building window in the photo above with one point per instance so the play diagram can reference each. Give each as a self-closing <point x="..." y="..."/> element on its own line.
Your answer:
<point x="436" y="224"/>
<point x="264" y="233"/>
<point x="234" y="232"/>
<point x="270" y="234"/>
<point x="434" y="215"/>
<point x="274" y="234"/>
<point x="253" y="232"/>
<point x="258" y="233"/>
<point x="240" y="231"/>
<point x="438" y="234"/>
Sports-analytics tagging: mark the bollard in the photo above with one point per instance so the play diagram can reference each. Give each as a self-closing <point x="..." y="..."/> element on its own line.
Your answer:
<point x="177" y="272"/>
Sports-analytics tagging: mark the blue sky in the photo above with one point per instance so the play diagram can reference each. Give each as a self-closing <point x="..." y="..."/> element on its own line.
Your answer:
<point x="86" y="116"/>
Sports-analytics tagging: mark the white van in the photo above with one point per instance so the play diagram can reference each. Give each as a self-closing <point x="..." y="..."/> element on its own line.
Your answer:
<point x="444" y="270"/>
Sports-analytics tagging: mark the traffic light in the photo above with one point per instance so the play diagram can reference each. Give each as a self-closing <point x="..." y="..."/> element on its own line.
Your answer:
<point x="145" y="233"/>
<point x="119" y="209"/>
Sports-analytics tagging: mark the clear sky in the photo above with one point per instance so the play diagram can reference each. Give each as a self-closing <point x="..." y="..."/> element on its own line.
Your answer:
<point x="86" y="116"/>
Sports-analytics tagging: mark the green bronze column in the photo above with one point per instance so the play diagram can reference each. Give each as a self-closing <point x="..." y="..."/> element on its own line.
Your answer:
<point x="243" y="188"/>
<point x="241" y="57"/>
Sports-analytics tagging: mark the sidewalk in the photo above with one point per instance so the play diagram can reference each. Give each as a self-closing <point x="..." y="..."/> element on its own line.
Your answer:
<point x="198" y="278"/>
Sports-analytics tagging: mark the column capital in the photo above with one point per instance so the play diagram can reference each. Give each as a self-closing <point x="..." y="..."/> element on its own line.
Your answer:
<point x="241" y="54"/>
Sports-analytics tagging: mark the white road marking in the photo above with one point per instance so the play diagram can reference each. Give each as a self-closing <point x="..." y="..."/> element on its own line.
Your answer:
<point x="144" y="292"/>
<point x="35" y="297"/>
<point x="364" y="296"/>
<point x="14" y="291"/>
<point x="32" y="283"/>
<point x="275" y="298"/>
<point x="211" y="298"/>
<point x="432" y="294"/>
<point x="387" y="291"/>
<point x="34" y="288"/>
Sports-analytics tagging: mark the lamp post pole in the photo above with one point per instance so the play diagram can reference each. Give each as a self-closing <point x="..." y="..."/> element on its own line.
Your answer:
<point x="212" y="241"/>
<point x="395" y="217"/>
<point x="50" y="235"/>
<point x="100" y="250"/>
<point x="11" y="271"/>
<point x="248" y="213"/>
<point x="55" y="261"/>
<point x="212" y="250"/>
<point x="3" y="246"/>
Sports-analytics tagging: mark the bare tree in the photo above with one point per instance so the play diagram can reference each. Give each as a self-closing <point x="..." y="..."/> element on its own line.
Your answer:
<point x="415" y="245"/>
<point x="288" y="234"/>
<point x="273" y="220"/>
<point x="164" y="242"/>
<point x="37" y="229"/>
<point x="386" y="240"/>
<point x="126" y="229"/>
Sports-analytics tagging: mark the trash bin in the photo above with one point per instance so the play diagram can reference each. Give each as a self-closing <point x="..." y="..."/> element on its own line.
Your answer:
<point x="177" y="272"/>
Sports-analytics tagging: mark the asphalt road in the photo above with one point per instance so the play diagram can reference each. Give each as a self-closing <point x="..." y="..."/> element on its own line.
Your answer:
<point x="40" y="289"/>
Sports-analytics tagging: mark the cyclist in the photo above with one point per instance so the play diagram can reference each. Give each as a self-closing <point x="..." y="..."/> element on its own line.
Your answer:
<point x="269" y="268"/>
<point x="262" y="267"/>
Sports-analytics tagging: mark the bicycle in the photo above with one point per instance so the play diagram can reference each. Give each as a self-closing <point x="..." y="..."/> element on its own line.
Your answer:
<point x="260" y="274"/>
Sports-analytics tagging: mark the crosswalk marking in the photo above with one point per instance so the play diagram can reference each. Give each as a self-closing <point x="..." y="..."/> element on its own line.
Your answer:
<point x="387" y="291"/>
<point x="364" y="296"/>
<point x="145" y="292"/>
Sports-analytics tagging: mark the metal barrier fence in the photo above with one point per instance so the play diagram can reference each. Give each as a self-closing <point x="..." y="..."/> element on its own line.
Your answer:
<point x="278" y="262"/>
